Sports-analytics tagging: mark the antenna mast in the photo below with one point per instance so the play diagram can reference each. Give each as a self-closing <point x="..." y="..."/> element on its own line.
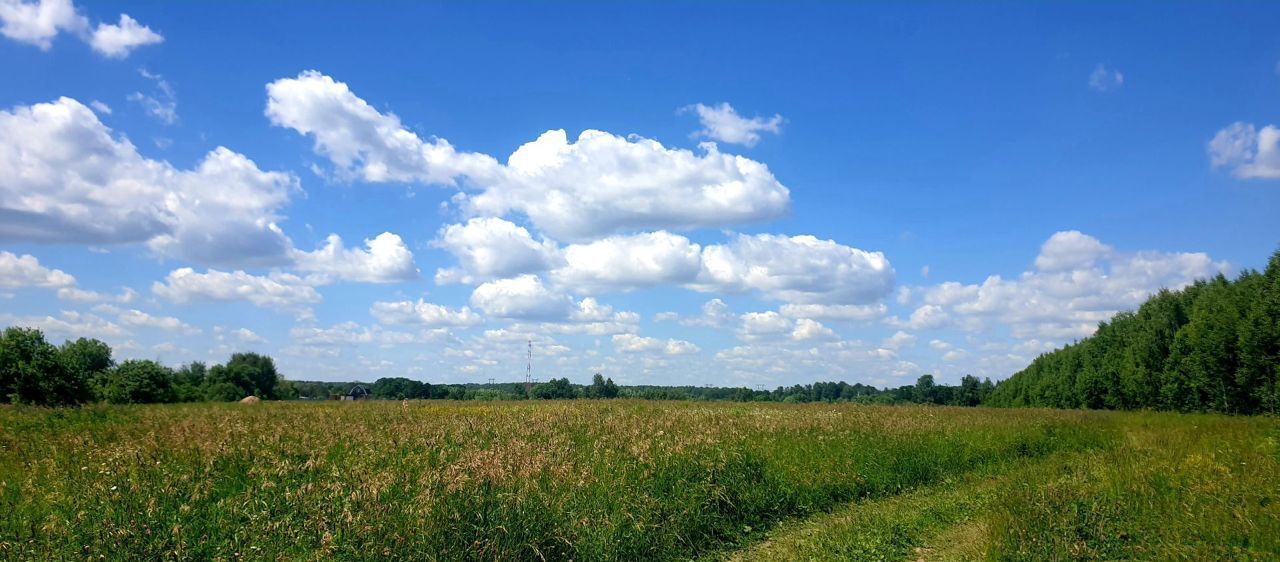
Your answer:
<point x="528" y="370"/>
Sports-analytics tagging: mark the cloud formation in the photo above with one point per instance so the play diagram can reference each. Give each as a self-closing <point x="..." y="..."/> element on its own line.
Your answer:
<point x="596" y="185"/>
<point x="39" y="22"/>
<point x="26" y="271"/>
<point x="117" y="41"/>
<point x="796" y="269"/>
<point x="385" y="259"/>
<point x="1248" y="152"/>
<point x="490" y="248"/>
<point x="1078" y="281"/>
<point x="722" y="123"/>
<point x="64" y="177"/>
<point x="423" y="313"/>
<point x="279" y="291"/>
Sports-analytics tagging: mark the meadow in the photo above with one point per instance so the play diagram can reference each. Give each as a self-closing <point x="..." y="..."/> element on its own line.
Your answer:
<point x="633" y="480"/>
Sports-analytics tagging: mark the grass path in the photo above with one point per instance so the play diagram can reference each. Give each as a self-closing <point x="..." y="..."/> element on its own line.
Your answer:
<point x="1174" y="488"/>
<point x="944" y="521"/>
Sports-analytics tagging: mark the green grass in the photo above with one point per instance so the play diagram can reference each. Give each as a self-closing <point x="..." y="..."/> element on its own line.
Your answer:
<point x="625" y="480"/>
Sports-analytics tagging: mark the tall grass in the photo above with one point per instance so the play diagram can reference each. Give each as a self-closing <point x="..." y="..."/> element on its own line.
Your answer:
<point x="1168" y="487"/>
<point x="615" y="480"/>
<point x="1188" y="487"/>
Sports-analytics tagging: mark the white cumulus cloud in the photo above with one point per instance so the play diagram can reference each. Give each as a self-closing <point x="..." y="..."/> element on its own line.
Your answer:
<point x="1078" y="281"/>
<point x="796" y="269"/>
<point x="280" y="291"/>
<point x="599" y="184"/>
<point x="117" y="41"/>
<point x="363" y="142"/>
<point x="39" y="22"/>
<point x="385" y="259"/>
<point x="26" y="271"/>
<point x="65" y="178"/>
<point x="423" y="313"/>
<point x="721" y="122"/>
<point x="631" y="343"/>
<point x="603" y="183"/>
<point x="523" y="297"/>
<point x="625" y="262"/>
<point x="807" y="330"/>
<point x="1249" y="152"/>
<point x="490" y="248"/>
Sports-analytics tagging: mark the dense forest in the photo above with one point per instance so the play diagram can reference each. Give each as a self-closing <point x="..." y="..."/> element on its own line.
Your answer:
<point x="1213" y="346"/>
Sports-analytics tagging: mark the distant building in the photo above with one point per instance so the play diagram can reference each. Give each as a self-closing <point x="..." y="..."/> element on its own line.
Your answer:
<point x="357" y="392"/>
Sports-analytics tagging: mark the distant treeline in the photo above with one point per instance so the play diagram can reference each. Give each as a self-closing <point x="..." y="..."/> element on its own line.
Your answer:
<point x="1211" y="347"/>
<point x="970" y="392"/>
<point x="34" y="371"/>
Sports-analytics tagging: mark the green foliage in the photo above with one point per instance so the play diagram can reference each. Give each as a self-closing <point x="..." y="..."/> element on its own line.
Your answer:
<point x="33" y="371"/>
<point x="86" y="356"/>
<point x="246" y="374"/>
<point x="554" y="389"/>
<point x="400" y="388"/>
<point x="600" y="388"/>
<point x="138" y="382"/>
<point x="189" y="382"/>
<point x="1211" y="347"/>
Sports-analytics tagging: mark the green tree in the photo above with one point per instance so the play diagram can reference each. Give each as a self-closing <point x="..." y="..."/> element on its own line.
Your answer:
<point x="222" y="391"/>
<point x="555" y="389"/>
<point x="246" y="374"/>
<point x="601" y="388"/>
<point x="969" y="393"/>
<point x="925" y="391"/>
<point x="32" y="371"/>
<point x="87" y="357"/>
<point x="138" y="381"/>
<point x="1259" y="344"/>
<point x="229" y="382"/>
<point x="189" y="382"/>
<point x="398" y="388"/>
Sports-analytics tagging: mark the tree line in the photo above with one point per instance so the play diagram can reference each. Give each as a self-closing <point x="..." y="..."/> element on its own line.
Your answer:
<point x="1213" y="346"/>
<point x="970" y="392"/>
<point x="34" y="371"/>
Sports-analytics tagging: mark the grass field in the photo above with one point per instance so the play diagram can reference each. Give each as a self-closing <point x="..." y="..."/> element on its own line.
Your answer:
<point x="633" y="480"/>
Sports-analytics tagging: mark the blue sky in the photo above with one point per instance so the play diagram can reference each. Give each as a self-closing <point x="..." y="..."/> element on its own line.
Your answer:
<point x="766" y="194"/>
